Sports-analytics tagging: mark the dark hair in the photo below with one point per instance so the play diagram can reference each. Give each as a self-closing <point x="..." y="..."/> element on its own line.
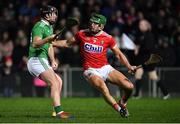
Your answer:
<point x="47" y="10"/>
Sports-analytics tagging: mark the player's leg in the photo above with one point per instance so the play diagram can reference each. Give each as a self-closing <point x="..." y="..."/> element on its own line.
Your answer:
<point x="99" y="84"/>
<point x="56" y="83"/>
<point x="119" y="79"/>
<point x="154" y="77"/>
<point x="49" y="77"/>
<point x="60" y="87"/>
<point x="164" y="89"/>
<point x="138" y="83"/>
<point x="63" y="114"/>
<point x="122" y="81"/>
<point x="40" y="67"/>
<point x="59" y="84"/>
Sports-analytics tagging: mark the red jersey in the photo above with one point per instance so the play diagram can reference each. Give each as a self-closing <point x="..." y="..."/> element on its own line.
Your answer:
<point x="93" y="48"/>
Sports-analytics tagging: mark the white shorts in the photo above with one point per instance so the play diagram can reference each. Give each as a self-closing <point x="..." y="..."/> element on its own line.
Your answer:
<point x="102" y="72"/>
<point x="37" y="65"/>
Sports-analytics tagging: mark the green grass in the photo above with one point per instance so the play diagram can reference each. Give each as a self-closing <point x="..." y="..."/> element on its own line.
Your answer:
<point x="89" y="110"/>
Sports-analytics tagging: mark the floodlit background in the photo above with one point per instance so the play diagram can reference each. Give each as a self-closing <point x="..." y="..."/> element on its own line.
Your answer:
<point x="17" y="18"/>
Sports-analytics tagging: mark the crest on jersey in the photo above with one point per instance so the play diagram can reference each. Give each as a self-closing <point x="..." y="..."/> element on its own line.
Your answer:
<point x="94" y="40"/>
<point x="102" y="42"/>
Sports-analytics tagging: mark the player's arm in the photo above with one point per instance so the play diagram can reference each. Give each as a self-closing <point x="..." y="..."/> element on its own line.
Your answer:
<point x="64" y="43"/>
<point x="37" y="37"/>
<point x="52" y="57"/>
<point x="122" y="58"/>
<point x="38" y="41"/>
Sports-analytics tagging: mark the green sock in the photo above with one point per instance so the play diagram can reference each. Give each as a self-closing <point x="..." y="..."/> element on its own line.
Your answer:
<point x="57" y="109"/>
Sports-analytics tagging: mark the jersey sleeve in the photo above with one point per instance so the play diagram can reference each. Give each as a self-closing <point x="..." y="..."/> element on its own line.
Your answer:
<point x="112" y="42"/>
<point x="37" y="31"/>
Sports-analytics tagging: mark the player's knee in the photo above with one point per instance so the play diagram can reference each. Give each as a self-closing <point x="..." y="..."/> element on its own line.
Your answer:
<point x="53" y="82"/>
<point x="59" y="82"/>
<point x="131" y="86"/>
<point x="50" y="82"/>
<point x="139" y="73"/>
<point x="59" y="79"/>
<point x="153" y="75"/>
<point x="54" y="87"/>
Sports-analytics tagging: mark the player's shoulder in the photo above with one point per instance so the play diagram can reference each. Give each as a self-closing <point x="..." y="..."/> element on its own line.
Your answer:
<point x="40" y="24"/>
<point x="105" y="34"/>
<point x="82" y="32"/>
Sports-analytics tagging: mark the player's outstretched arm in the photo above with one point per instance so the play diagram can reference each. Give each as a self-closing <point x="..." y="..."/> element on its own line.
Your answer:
<point x="64" y="43"/>
<point x="38" y="41"/>
<point x="60" y="43"/>
<point x="122" y="58"/>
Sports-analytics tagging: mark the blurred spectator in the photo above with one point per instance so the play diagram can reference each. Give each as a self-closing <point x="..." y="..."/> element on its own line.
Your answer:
<point x="5" y="36"/>
<point x="8" y="19"/>
<point x="176" y="39"/>
<point x="167" y="52"/>
<point x="63" y="10"/>
<point x="8" y="78"/>
<point x="7" y="47"/>
<point x="29" y="9"/>
<point x="1" y="65"/>
<point x="111" y="57"/>
<point x="145" y="47"/>
<point x="1" y="54"/>
<point x="25" y="23"/>
<point x="165" y="49"/>
<point x="76" y="13"/>
<point x="86" y="10"/>
<point x="109" y="8"/>
<point x="20" y="58"/>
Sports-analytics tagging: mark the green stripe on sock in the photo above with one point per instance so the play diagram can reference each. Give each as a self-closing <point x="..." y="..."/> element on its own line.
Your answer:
<point x="57" y="109"/>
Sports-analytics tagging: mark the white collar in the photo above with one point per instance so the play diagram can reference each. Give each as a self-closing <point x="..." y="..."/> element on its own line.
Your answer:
<point x="44" y="21"/>
<point x="99" y="33"/>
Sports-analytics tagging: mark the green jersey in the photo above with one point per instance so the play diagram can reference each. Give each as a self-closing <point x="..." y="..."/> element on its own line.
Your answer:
<point x="41" y="29"/>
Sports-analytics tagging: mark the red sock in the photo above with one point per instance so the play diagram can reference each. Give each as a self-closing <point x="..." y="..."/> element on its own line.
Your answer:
<point x="123" y="100"/>
<point x="116" y="107"/>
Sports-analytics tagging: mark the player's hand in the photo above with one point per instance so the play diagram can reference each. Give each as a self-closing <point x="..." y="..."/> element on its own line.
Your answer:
<point x="54" y="65"/>
<point x="132" y="69"/>
<point x="51" y="38"/>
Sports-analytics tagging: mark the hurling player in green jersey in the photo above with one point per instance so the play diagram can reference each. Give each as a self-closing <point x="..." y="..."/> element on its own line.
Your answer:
<point x="41" y="61"/>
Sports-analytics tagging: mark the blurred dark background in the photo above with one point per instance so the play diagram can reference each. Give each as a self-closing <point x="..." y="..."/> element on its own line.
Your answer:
<point x="18" y="16"/>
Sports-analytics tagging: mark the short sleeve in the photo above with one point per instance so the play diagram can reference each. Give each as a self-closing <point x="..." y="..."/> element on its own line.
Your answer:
<point x="112" y="42"/>
<point x="37" y="31"/>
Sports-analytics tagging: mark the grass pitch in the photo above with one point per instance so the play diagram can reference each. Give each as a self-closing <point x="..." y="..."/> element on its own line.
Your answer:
<point x="88" y="110"/>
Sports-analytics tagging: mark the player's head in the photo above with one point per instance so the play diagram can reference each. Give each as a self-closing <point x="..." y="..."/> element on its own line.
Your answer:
<point x="49" y="13"/>
<point x="97" y="22"/>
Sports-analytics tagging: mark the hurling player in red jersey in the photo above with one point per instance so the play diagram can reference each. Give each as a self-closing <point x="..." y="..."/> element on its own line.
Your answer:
<point x="94" y="43"/>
